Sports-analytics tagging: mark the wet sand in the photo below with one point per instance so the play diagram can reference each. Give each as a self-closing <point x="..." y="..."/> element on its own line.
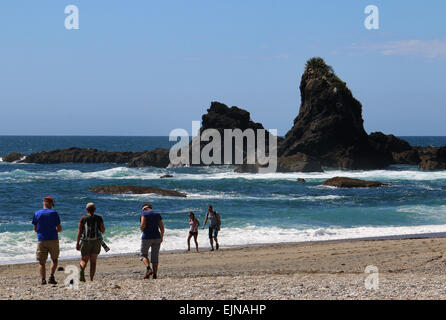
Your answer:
<point x="408" y="269"/>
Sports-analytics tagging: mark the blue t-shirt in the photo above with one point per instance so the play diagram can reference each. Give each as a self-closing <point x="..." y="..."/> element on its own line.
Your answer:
<point x="152" y="225"/>
<point x="46" y="221"/>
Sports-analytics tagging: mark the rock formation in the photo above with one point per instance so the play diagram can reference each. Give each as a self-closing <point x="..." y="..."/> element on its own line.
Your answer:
<point x="155" y="158"/>
<point x="343" y="182"/>
<point x="137" y="190"/>
<point x="220" y="117"/>
<point x="397" y="151"/>
<point x="13" y="157"/>
<point x="329" y="126"/>
<point x="432" y="158"/>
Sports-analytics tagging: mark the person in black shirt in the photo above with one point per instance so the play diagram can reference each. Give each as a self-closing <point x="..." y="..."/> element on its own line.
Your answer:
<point x="89" y="240"/>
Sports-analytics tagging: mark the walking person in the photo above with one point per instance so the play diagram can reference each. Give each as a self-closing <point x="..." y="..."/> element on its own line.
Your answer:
<point x="152" y="236"/>
<point x="214" y="226"/>
<point x="193" y="231"/>
<point x="89" y="240"/>
<point x="47" y="226"/>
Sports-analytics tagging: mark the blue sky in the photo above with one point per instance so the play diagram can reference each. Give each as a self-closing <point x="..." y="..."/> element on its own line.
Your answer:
<point x="147" y="67"/>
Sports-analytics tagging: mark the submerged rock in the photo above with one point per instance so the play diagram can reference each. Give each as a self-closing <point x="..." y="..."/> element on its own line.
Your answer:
<point x="166" y="176"/>
<point x="137" y="190"/>
<point x="344" y="182"/>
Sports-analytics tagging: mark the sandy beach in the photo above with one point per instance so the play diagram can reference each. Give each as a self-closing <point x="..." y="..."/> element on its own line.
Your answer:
<point x="408" y="269"/>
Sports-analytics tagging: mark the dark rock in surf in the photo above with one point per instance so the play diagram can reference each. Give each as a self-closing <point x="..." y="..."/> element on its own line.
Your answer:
<point x="166" y="176"/>
<point x="432" y="158"/>
<point x="13" y="157"/>
<point x="78" y="155"/>
<point x="343" y="182"/>
<point x="137" y="190"/>
<point x="154" y="158"/>
<point x="397" y="150"/>
<point x="298" y="162"/>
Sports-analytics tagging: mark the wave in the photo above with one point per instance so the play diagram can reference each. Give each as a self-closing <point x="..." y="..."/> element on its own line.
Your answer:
<point x="20" y="246"/>
<point x="222" y="195"/>
<point x="223" y="173"/>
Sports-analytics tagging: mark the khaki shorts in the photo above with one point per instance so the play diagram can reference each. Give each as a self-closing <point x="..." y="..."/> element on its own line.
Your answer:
<point x="45" y="247"/>
<point x="90" y="247"/>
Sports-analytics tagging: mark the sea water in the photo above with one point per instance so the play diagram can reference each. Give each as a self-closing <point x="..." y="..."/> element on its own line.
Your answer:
<point x="255" y="208"/>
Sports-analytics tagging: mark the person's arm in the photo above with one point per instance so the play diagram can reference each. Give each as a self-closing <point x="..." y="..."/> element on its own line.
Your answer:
<point x="102" y="226"/>
<point x="79" y="232"/>
<point x="198" y="222"/>
<point x="34" y="223"/>
<point x="143" y="223"/>
<point x="59" y="226"/>
<point x="219" y="221"/>
<point x="161" y="226"/>
<point x="205" y="221"/>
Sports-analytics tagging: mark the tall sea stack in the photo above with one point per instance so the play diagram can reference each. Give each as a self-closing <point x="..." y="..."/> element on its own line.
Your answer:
<point x="329" y="126"/>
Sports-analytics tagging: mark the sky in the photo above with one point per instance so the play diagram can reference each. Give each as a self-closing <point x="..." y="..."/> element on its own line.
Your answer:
<point x="147" y="67"/>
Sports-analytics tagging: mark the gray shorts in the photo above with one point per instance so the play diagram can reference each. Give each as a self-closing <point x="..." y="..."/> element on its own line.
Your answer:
<point x="146" y="244"/>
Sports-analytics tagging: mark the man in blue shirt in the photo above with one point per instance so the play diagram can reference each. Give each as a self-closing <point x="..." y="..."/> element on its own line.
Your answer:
<point x="47" y="225"/>
<point x="152" y="235"/>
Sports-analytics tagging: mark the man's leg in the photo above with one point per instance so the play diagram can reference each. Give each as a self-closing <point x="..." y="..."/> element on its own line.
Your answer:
<point x="214" y="235"/>
<point x="53" y="248"/>
<point x="216" y="243"/>
<point x="156" y="245"/>
<point x="93" y="259"/>
<point x="42" y="256"/>
<point x="145" y="257"/>
<point x="42" y="269"/>
<point x="54" y="263"/>
<point x="211" y="240"/>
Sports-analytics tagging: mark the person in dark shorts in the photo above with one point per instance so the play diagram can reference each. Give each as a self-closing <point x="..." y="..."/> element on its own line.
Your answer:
<point x="89" y="240"/>
<point x="193" y="230"/>
<point x="47" y="225"/>
<point x="214" y="226"/>
<point x="152" y="229"/>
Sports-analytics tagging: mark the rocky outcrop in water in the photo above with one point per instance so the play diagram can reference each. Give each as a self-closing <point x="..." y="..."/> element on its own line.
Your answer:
<point x="13" y="157"/>
<point x="329" y="126"/>
<point x="137" y="190"/>
<point x="343" y="182"/>
<point x="432" y="158"/>
<point x="397" y="150"/>
<point x="155" y="158"/>
<point x="220" y="117"/>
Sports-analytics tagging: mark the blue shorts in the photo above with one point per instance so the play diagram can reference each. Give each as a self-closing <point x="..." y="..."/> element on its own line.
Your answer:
<point x="213" y="232"/>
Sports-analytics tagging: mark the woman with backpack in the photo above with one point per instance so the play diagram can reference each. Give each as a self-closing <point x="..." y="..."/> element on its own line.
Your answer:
<point x="89" y="240"/>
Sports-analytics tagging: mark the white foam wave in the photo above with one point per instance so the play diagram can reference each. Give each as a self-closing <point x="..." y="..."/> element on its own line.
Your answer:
<point x="227" y="173"/>
<point x="223" y="195"/>
<point x="20" y="246"/>
<point x="424" y="210"/>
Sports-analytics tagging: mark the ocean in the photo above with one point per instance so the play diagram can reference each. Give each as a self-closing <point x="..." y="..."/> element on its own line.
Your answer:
<point x="255" y="209"/>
